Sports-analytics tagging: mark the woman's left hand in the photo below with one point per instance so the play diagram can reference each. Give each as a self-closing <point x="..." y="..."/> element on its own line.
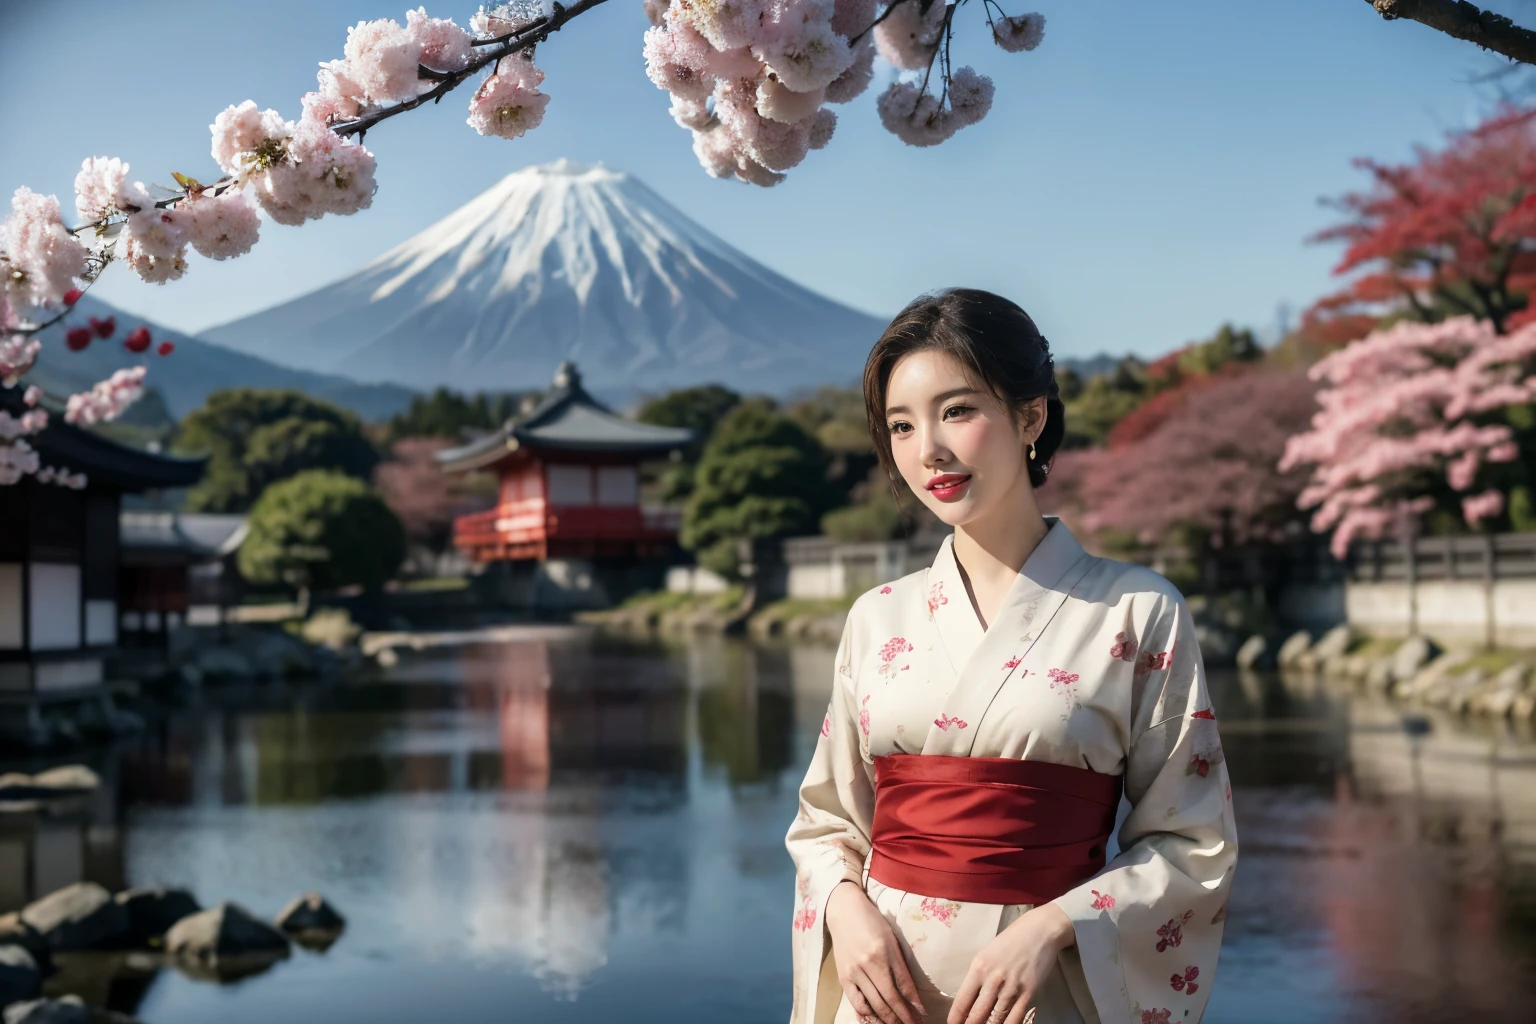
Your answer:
<point x="1006" y="976"/>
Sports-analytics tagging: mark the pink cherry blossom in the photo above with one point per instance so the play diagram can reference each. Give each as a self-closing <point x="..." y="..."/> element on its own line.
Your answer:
<point x="320" y="173"/>
<point x="224" y="226"/>
<point x="509" y="102"/>
<point x="39" y="258"/>
<point x="246" y="139"/>
<point x="1409" y="400"/>
<point x="907" y="37"/>
<point x="850" y="85"/>
<point x="1482" y="506"/>
<point x="727" y="24"/>
<point x="1020" y="32"/>
<point x="102" y="189"/>
<point x="17" y="354"/>
<point x="799" y="46"/>
<point x="32" y="395"/>
<point x="29" y="422"/>
<point x="107" y="399"/>
<point x="382" y="58"/>
<point x="441" y="45"/>
<point x="151" y="269"/>
<point x="159" y="232"/>
<point x="851" y="17"/>
<point x="17" y="459"/>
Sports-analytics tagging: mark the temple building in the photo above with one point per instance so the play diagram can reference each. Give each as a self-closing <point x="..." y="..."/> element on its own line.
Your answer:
<point x="568" y="528"/>
<point x="60" y="564"/>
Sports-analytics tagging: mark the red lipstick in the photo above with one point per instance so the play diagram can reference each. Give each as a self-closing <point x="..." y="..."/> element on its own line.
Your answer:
<point x="948" y="486"/>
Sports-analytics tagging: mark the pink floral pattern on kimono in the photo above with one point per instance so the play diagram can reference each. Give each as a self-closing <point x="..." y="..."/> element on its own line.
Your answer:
<point x="945" y="721"/>
<point x="864" y="715"/>
<point x="1186" y="982"/>
<point x="1153" y="661"/>
<point x="1124" y="647"/>
<point x="805" y="914"/>
<point x="1062" y="682"/>
<point x="1012" y="663"/>
<point x="1155" y="1016"/>
<point x="935" y="599"/>
<point x="932" y="909"/>
<point x="826" y="725"/>
<point x="894" y="648"/>
<point x="1102" y="900"/>
<point x="885" y="589"/>
<point x="1172" y="933"/>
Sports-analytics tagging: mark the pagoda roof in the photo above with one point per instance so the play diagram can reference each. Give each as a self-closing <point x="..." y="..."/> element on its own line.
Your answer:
<point x="198" y="536"/>
<point x="568" y="419"/>
<point x="104" y="461"/>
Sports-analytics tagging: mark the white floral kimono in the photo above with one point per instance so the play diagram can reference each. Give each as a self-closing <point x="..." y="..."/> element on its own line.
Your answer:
<point x="1089" y="662"/>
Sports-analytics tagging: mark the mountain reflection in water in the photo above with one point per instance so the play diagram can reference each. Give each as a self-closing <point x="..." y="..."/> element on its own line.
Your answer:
<point x="575" y="828"/>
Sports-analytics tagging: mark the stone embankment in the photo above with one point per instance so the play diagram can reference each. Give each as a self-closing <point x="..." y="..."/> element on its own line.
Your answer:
<point x="1417" y="670"/>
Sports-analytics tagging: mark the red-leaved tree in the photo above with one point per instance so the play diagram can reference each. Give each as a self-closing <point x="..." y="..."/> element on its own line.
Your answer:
<point x="1451" y="234"/>
<point x="1211" y="464"/>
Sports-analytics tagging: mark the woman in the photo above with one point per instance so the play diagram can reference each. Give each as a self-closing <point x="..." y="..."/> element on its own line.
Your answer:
<point x="970" y="884"/>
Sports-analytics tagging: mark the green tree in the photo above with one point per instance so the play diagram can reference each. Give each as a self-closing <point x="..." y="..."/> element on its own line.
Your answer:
<point x="761" y="475"/>
<point x="320" y="530"/>
<point x="254" y="438"/>
<point x="450" y="414"/>
<point x="697" y="409"/>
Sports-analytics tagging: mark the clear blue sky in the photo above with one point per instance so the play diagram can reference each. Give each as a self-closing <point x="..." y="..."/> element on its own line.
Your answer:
<point x="1151" y="171"/>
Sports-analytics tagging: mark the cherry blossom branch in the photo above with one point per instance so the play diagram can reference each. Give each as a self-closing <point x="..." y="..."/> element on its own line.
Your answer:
<point x="534" y="32"/>
<point x="1466" y="21"/>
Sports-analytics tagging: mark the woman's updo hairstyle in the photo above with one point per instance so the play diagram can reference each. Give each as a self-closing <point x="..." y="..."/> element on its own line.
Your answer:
<point x="999" y="347"/>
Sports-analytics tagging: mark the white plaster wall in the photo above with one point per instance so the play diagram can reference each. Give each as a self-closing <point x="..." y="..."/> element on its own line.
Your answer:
<point x="100" y="623"/>
<point x="55" y="623"/>
<point x="1514" y="613"/>
<point x="1380" y="609"/>
<point x="820" y="582"/>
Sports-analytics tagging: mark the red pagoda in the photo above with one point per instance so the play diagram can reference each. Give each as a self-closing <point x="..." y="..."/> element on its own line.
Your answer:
<point x="569" y="483"/>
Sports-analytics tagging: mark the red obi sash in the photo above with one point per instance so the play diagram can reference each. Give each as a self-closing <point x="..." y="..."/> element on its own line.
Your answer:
<point x="989" y="829"/>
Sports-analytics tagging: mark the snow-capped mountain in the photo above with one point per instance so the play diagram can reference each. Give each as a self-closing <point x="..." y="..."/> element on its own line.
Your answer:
<point x="565" y="262"/>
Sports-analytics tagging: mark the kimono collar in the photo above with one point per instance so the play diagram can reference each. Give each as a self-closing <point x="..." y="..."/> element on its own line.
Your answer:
<point x="949" y="606"/>
<point x="984" y="660"/>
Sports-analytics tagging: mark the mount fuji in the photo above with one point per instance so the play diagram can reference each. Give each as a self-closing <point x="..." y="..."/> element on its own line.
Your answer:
<point x="564" y="262"/>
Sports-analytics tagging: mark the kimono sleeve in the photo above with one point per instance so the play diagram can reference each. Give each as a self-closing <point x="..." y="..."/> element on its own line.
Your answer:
<point x="829" y="838"/>
<point x="1149" y="925"/>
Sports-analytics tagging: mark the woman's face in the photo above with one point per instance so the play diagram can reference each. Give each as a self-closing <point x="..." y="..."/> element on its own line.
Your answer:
<point x="954" y="443"/>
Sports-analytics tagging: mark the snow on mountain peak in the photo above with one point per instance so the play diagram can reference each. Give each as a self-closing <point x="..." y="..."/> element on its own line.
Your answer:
<point x="565" y="261"/>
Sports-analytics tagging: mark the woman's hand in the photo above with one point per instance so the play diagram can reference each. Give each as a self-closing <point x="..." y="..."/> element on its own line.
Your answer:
<point x="1006" y="976"/>
<point x="870" y="966"/>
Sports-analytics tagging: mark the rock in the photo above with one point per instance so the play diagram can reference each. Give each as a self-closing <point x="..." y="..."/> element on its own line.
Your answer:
<point x="1295" y="646"/>
<point x="310" y="913"/>
<point x="16" y="932"/>
<point x="69" y="778"/>
<point x="1463" y="687"/>
<point x="387" y="658"/>
<point x="223" y="663"/>
<point x="69" y="1010"/>
<point x="79" y="916"/>
<point x="1218" y="646"/>
<point x="1412" y="655"/>
<point x="1334" y="645"/>
<point x="152" y="911"/>
<point x="20" y="977"/>
<point x="227" y="930"/>
<point x="66" y="1010"/>
<point x="1378" y="677"/>
<point x="1430" y="677"/>
<point x="1253" y="652"/>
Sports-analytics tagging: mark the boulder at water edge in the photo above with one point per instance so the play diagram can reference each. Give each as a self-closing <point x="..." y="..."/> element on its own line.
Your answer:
<point x="68" y="1010"/>
<point x="19" y="977"/>
<point x="1414" y="654"/>
<point x="16" y="932"/>
<point x="79" y="916"/>
<point x="227" y="930"/>
<point x="1334" y="645"/>
<point x="310" y="913"/>
<point x="152" y="911"/>
<point x="1253" y="653"/>
<point x="1296" y="645"/>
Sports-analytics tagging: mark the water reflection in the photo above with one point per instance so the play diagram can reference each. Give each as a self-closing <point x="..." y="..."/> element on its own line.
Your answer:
<point x="573" y="828"/>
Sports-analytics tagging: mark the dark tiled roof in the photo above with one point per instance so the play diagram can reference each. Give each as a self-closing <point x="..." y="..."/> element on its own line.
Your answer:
<point x="104" y="461"/>
<point x="568" y="419"/>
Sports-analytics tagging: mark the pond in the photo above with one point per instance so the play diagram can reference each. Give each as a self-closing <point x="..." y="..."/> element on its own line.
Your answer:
<point x="574" y="828"/>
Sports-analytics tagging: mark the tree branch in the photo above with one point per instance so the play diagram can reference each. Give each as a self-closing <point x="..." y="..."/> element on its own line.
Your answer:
<point x="1465" y="21"/>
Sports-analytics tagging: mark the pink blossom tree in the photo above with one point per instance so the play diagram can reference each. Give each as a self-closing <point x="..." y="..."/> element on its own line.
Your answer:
<point x="1417" y="418"/>
<point x="751" y="80"/>
<point x="1210" y="463"/>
